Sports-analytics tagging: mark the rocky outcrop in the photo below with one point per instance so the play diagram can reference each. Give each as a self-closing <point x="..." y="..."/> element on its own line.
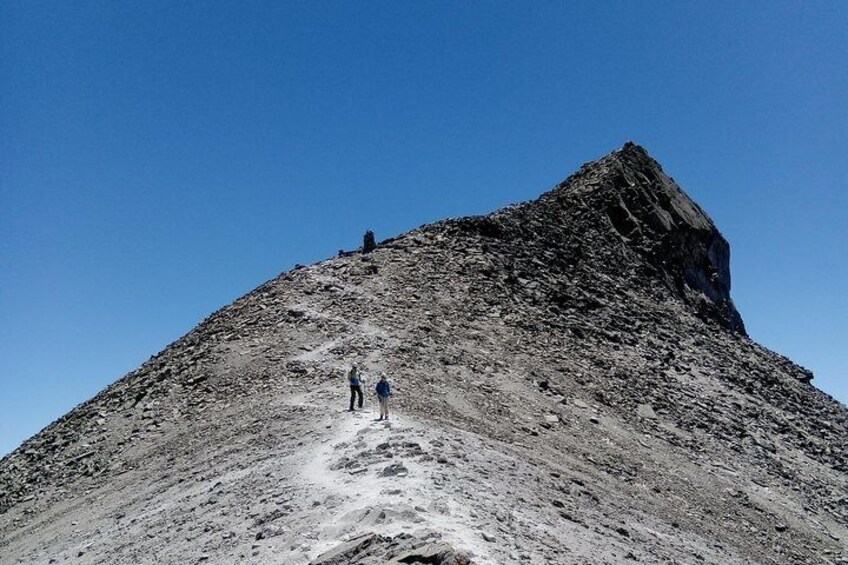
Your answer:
<point x="628" y="193"/>
<point x="402" y="549"/>
<point x="572" y="385"/>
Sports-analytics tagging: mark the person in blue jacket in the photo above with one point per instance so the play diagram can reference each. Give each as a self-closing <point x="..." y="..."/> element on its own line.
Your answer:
<point x="384" y="391"/>
<point x="354" y="379"/>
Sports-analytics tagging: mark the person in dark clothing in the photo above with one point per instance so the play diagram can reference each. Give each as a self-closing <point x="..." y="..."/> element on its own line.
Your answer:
<point x="384" y="391"/>
<point x="354" y="379"/>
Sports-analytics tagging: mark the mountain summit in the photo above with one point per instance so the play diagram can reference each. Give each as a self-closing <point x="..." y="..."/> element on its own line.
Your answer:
<point x="647" y="224"/>
<point x="572" y="384"/>
<point x="663" y="225"/>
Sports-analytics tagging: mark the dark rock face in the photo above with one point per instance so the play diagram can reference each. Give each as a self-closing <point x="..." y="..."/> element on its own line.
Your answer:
<point x="624" y="217"/>
<point x="675" y="235"/>
<point x="572" y="385"/>
<point x="655" y="219"/>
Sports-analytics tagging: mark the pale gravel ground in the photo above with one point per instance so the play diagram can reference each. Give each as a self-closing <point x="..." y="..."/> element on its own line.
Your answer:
<point x="153" y="516"/>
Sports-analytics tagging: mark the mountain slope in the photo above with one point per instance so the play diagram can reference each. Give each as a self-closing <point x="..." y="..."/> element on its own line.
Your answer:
<point x="573" y="385"/>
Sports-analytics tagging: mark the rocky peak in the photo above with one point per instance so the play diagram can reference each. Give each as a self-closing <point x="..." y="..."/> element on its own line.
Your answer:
<point x="652" y="221"/>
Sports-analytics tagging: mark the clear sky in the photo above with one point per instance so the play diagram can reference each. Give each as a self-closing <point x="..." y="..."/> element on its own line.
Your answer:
<point x="159" y="159"/>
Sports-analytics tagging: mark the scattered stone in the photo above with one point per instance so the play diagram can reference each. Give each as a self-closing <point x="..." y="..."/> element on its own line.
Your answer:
<point x="646" y="411"/>
<point x="345" y="553"/>
<point x="394" y="470"/>
<point x="435" y="553"/>
<point x="268" y="532"/>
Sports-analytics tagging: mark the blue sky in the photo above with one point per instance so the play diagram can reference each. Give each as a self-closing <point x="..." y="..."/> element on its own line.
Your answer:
<point x="160" y="159"/>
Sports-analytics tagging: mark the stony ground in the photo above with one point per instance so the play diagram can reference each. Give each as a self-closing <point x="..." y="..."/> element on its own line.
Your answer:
<point x="573" y="385"/>
<point x="301" y="475"/>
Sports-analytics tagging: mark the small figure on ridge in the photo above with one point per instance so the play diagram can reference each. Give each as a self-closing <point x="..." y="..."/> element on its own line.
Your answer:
<point x="384" y="391"/>
<point x="369" y="244"/>
<point x="354" y="379"/>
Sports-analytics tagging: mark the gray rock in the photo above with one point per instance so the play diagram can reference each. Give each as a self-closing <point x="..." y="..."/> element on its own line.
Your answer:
<point x="349" y="551"/>
<point x="646" y="411"/>
<point x="579" y="403"/>
<point x="435" y="553"/>
<point x="394" y="470"/>
<point x="269" y="531"/>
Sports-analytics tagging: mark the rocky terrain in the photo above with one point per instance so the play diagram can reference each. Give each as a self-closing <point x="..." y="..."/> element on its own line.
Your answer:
<point x="573" y="385"/>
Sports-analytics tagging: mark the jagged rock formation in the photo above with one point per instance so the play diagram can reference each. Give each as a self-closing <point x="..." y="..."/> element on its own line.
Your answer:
<point x="391" y="551"/>
<point x="657" y="220"/>
<point x="574" y="385"/>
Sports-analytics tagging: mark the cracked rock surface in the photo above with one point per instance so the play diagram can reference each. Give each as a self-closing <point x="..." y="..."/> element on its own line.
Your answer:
<point x="573" y="384"/>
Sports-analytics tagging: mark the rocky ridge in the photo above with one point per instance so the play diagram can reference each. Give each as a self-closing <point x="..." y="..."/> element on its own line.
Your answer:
<point x="574" y="385"/>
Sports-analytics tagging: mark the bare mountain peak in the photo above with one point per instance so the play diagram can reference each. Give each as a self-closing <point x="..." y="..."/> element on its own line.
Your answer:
<point x="570" y="386"/>
<point x="623" y="214"/>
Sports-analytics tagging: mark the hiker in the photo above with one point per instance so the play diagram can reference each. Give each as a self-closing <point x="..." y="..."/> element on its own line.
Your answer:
<point x="384" y="391"/>
<point x="354" y="379"/>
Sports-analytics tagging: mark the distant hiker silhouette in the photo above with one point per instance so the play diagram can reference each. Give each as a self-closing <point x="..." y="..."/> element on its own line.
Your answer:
<point x="384" y="391"/>
<point x="354" y="379"/>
